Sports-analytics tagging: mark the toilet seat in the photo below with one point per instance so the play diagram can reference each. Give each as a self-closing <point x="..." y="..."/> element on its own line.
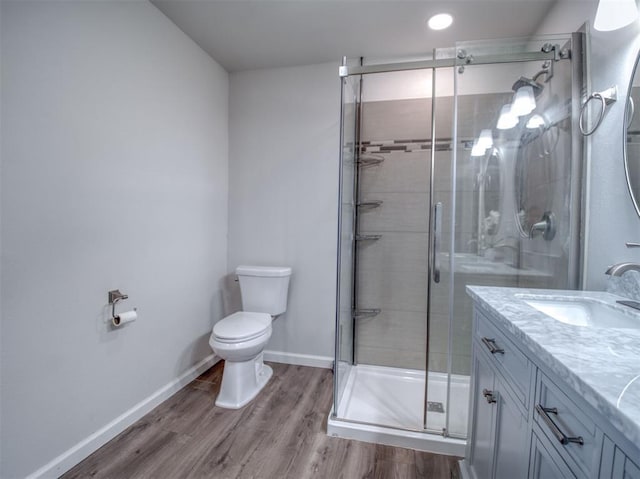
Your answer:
<point x="242" y="326"/>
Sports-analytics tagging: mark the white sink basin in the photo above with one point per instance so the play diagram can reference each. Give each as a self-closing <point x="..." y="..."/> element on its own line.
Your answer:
<point x="586" y="312"/>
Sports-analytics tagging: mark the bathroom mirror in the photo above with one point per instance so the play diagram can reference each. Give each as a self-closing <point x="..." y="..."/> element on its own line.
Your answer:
<point x="491" y="188"/>
<point x="535" y="171"/>
<point x="632" y="138"/>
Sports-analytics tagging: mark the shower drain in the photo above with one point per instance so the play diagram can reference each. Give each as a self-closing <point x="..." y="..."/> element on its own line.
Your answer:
<point x="434" y="406"/>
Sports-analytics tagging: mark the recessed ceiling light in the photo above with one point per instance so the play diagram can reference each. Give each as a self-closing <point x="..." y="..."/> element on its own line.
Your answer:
<point x="440" y="21"/>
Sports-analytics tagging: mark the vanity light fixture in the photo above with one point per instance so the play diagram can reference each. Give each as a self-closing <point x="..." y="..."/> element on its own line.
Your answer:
<point x="507" y="119"/>
<point x="536" y="121"/>
<point x="523" y="101"/>
<point x="615" y="14"/>
<point x="478" y="149"/>
<point x="486" y="139"/>
<point x="440" y="21"/>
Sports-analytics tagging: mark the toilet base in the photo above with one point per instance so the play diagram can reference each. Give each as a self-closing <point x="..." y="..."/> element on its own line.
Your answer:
<point x="242" y="381"/>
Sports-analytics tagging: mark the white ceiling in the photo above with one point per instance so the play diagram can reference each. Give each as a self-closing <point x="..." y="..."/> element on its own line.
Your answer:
<point x="252" y="34"/>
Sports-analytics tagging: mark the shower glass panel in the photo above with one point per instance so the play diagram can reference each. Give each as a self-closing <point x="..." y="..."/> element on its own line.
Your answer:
<point x="346" y="214"/>
<point x="392" y="201"/>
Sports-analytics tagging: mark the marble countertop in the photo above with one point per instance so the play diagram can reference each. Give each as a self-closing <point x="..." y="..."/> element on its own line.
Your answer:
<point x="601" y="364"/>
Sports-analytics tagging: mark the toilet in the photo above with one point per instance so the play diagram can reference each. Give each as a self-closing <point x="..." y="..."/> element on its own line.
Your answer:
<point x="241" y="337"/>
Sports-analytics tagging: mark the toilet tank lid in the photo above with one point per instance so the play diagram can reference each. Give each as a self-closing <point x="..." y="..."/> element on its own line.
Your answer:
<point x="266" y="271"/>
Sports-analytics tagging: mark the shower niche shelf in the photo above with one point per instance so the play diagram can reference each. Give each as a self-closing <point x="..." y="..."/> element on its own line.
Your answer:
<point x="366" y="313"/>
<point x="368" y="237"/>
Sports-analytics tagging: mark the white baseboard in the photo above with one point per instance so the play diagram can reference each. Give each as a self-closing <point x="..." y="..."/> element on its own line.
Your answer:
<point x="84" y="448"/>
<point x="325" y="362"/>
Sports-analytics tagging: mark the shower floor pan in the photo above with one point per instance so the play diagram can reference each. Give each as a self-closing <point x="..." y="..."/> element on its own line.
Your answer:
<point x="385" y="405"/>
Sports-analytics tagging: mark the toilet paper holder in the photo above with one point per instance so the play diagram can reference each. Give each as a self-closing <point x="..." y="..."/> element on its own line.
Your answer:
<point x="114" y="296"/>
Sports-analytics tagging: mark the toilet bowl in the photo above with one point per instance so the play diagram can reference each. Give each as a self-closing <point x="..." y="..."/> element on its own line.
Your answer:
<point x="241" y="337"/>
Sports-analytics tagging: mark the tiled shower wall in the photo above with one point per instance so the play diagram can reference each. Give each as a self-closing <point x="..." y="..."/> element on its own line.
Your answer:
<point x="392" y="271"/>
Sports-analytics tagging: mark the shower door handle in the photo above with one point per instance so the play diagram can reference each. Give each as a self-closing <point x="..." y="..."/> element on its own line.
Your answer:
<point x="437" y="231"/>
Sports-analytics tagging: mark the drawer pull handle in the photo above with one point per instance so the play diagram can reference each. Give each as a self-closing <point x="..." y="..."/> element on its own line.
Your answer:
<point x="488" y="395"/>
<point x="560" y="436"/>
<point x="490" y="343"/>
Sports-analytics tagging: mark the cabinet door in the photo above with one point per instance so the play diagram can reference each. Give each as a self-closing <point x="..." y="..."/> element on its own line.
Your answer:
<point x="631" y="471"/>
<point x="623" y="467"/>
<point x="510" y="441"/>
<point x="483" y="417"/>
<point x="544" y="465"/>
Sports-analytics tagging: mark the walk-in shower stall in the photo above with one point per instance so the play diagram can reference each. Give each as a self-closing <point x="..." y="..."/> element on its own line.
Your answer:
<point x="462" y="168"/>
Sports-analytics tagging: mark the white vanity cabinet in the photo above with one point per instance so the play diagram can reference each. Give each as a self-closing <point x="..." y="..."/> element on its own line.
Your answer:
<point x="482" y="455"/>
<point x="525" y="422"/>
<point x="501" y="381"/>
<point x="500" y="433"/>
<point x="545" y="463"/>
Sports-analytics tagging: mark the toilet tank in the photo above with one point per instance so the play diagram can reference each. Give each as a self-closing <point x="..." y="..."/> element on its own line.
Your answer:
<point x="264" y="288"/>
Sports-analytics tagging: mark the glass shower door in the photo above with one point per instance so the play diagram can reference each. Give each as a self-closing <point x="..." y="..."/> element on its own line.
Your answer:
<point x="511" y="213"/>
<point x="437" y="404"/>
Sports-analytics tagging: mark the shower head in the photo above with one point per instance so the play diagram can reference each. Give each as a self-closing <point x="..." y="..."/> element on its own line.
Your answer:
<point x="524" y="81"/>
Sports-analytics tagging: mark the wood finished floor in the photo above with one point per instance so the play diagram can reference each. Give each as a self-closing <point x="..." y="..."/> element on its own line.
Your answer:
<point x="281" y="434"/>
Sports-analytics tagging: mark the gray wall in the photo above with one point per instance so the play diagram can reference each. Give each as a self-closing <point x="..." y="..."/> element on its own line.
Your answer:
<point x="612" y="220"/>
<point x="114" y="175"/>
<point x="283" y="190"/>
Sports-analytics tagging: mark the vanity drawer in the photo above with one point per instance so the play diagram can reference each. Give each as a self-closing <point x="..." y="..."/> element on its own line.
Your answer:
<point x="505" y="357"/>
<point x="573" y="434"/>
